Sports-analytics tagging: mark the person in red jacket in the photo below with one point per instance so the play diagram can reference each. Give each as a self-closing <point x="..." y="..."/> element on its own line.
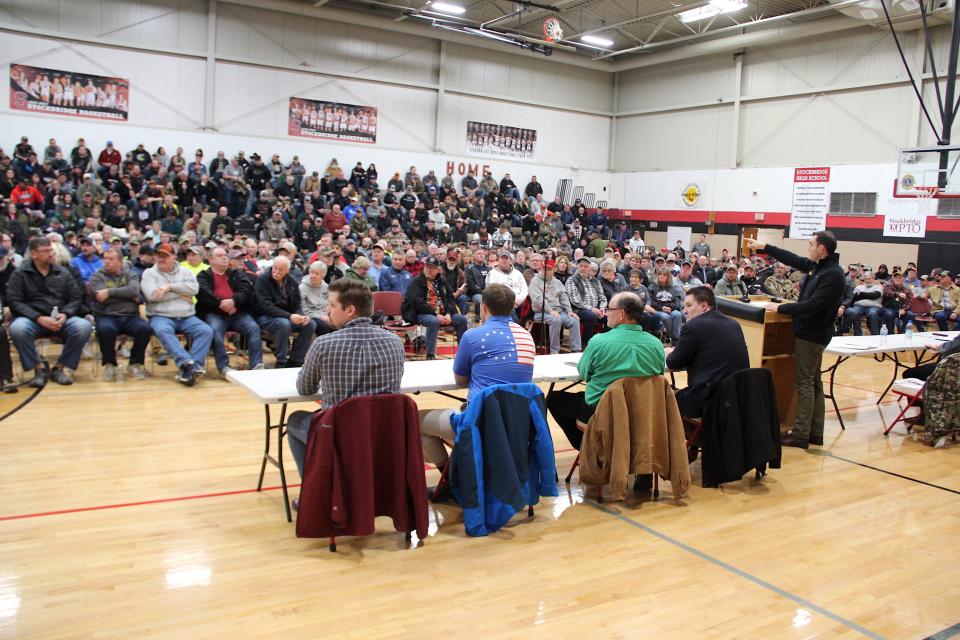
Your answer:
<point x="334" y="221"/>
<point x="107" y="157"/>
<point x="26" y="195"/>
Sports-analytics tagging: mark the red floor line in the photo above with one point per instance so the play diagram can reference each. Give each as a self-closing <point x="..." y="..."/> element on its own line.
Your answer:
<point x="199" y="496"/>
<point x="140" y="503"/>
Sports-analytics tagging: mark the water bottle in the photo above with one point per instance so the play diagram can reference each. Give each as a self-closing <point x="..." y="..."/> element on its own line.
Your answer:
<point x="883" y="334"/>
<point x="908" y="332"/>
<point x="54" y="313"/>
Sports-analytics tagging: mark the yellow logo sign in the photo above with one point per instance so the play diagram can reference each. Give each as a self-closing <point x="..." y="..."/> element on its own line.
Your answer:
<point x="690" y="195"/>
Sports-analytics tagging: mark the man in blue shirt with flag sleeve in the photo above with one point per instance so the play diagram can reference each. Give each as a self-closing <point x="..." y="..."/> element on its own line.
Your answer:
<point x="499" y="351"/>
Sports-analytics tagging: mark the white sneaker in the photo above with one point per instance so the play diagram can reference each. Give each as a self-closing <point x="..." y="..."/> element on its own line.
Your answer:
<point x="225" y="371"/>
<point x="109" y="373"/>
<point x="258" y="367"/>
<point x="87" y="353"/>
<point x="123" y="352"/>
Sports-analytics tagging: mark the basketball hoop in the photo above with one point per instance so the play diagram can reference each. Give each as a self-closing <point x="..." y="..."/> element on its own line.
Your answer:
<point x="552" y="30"/>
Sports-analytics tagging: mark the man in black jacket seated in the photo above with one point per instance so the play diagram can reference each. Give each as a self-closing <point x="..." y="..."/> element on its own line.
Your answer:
<point x="711" y="347"/>
<point x="813" y="318"/>
<point x="429" y="302"/>
<point x="224" y="302"/>
<point x="278" y="302"/>
<point x="47" y="301"/>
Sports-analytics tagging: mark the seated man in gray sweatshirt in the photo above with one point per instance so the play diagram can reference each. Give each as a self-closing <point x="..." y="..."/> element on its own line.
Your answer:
<point x="115" y="296"/>
<point x="168" y="291"/>
<point x="867" y="301"/>
<point x="551" y="305"/>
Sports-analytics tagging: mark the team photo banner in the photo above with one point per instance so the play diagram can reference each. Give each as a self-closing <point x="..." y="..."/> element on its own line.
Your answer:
<point x="500" y="141"/>
<point x="68" y="93"/>
<point x="319" y="119"/>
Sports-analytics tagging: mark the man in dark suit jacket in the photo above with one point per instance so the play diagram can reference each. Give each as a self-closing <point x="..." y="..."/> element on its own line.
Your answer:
<point x="711" y="347"/>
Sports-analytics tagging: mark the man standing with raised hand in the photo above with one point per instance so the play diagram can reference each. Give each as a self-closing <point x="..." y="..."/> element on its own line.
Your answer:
<point x="813" y="318"/>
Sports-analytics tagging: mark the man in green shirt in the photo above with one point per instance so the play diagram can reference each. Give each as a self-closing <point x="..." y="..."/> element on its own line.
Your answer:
<point x="626" y="351"/>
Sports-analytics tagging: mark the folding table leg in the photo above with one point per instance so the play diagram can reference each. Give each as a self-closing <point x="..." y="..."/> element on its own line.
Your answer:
<point x="897" y="365"/>
<point x="266" y="448"/>
<point x="283" y="476"/>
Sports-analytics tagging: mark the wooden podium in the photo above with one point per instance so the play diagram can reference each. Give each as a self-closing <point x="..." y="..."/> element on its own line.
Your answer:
<point x="769" y="338"/>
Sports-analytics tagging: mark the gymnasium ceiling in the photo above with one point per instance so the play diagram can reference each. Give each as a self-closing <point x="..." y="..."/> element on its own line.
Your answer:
<point x="635" y="27"/>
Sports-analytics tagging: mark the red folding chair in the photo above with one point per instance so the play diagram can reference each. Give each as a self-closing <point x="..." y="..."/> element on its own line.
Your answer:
<point x="912" y="390"/>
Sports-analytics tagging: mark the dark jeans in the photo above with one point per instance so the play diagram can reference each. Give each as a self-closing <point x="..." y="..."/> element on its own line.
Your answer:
<point x="943" y="319"/>
<point x="74" y="333"/>
<point x="566" y="408"/>
<point x="432" y="325"/>
<point x="281" y="329"/>
<point x="921" y="372"/>
<point x="109" y="327"/>
<point x="242" y="323"/>
<point x="6" y="365"/>
<point x="590" y="324"/>
<point x="298" y="428"/>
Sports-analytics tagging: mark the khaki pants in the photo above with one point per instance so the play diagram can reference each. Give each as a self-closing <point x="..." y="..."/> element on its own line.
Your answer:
<point x="808" y="357"/>
<point x="435" y="428"/>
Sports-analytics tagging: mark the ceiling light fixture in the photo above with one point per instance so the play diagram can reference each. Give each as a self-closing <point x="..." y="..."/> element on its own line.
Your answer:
<point x="716" y="7"/>
<point x="448" y="8"/>
<point x="600" y="42"/>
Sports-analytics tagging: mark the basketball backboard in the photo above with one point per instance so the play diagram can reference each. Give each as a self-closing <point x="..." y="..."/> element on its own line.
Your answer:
<point x="924" y="172"/>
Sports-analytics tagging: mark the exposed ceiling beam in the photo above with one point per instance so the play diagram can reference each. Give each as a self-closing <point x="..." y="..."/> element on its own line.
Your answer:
<point x="739" y="28"/>
<point x="409" y="28"/>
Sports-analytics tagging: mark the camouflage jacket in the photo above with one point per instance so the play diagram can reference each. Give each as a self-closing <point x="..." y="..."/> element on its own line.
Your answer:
<point x="942" y="399"/>
<point x="784" y="289"/>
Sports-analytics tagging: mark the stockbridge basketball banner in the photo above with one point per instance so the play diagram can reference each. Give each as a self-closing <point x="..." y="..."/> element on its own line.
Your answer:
<point x="68" y="93"/>
<point x="334" y="120"/>
<point x="500" y="141"/>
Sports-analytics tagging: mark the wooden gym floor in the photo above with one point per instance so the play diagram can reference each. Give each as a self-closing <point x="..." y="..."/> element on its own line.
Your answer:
<point x="129" y="511"/>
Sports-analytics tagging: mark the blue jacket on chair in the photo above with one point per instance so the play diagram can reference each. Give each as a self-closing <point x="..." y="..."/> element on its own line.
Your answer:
<point x="502" y="456"/>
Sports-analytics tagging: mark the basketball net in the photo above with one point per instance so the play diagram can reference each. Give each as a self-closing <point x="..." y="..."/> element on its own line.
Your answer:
<point x="925" y="196"/>
<point x="552" y="30"/>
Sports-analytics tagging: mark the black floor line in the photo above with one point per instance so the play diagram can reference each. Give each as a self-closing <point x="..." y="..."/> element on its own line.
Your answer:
<point x="828" y="454"/>
<point x="949" y="632"/>
<point x="26" y="401"/>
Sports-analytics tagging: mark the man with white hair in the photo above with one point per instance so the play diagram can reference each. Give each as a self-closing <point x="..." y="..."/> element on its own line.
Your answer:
<point x="168" y="291"/>
<point x="224" y="302"/>
<point x="279" y="305"/>
<point x="504" y="273"/>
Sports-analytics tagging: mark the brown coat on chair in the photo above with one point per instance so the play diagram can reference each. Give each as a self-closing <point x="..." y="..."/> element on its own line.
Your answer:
<point x="636" y="429"/>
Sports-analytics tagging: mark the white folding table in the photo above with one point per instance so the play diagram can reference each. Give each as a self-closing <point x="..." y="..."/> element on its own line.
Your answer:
<point x="279" y="386"/>
<point x="890" y="348"/>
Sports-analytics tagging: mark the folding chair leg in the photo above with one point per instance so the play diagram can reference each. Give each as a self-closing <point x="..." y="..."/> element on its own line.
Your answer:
<point x="656" y="486"/>
<point x="530" y="511"/>
<point x="333" y="544"/>
<point x="900" y="415"/>
<point x="576" y="463"/>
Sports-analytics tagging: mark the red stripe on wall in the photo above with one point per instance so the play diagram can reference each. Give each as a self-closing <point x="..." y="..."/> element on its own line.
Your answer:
<point x="770" y="219"/>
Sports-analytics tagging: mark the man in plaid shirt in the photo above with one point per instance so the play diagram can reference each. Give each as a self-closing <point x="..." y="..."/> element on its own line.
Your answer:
<point x="359" y="359"/>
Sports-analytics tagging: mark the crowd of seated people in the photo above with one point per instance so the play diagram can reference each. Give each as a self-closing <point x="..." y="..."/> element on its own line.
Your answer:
<point x="153" y="248"/>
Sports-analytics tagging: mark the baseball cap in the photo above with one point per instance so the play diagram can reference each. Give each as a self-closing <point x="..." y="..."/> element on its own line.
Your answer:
<point x="288" y="247"/>
<point x="255" y="156"/>
<point x="431" y="262"/>
<point x="86" y="240"/>
<point x="686" y="263"/>
<point x="360" y="263"/>
<point x="731" y="267"/>
<point x="165" y="248"/>
<point x="211" y="245"/>
<point x="658" y="259"/>
<point x="350" y="241"/>
<point x="194" y="249"/>
<point x="506" y="254"/>
<point x="584" y="259"/>
<point x="233" y="255"/>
